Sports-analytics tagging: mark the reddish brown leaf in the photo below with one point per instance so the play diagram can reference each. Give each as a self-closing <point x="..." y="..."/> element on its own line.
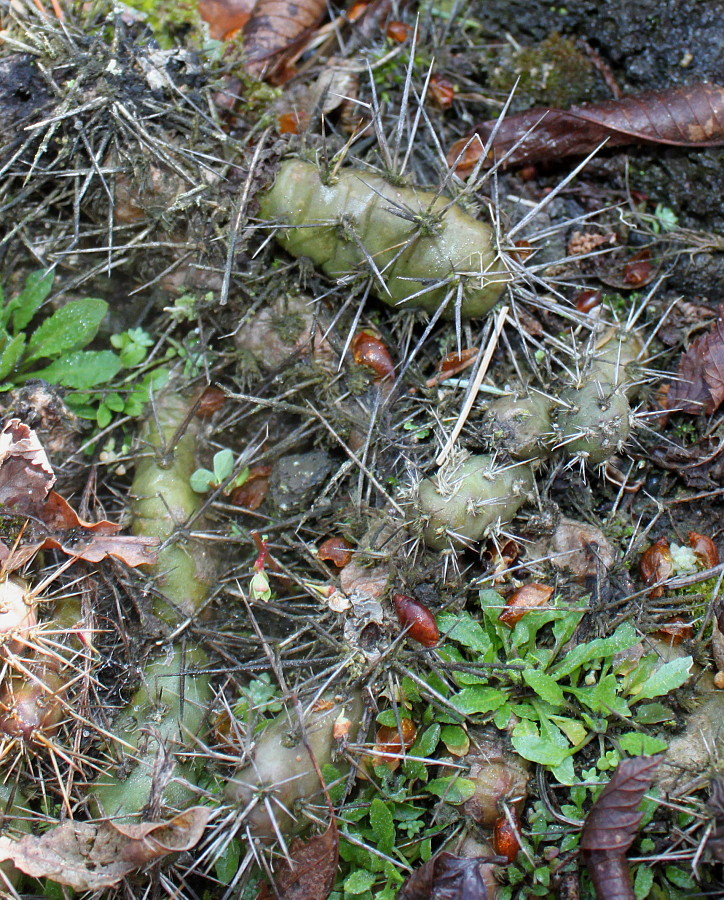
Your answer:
<point x="252" y="493"/>
<point x="505" y="836"/>
<point x="448" y="877"/>
<point x="526" y="598"/>
<point x="656" y="565"/>
<point x="368" y="350"/>
<point x="441" y="91"/>
<point x="699" y="387"/>
<point x="611" y="827"/>
<point x="453" y="364"/>
<point x="689" y="116"/>
<point x="225" y="17"/>
<point x="704" y="549"/>
<point x="398" y="32"/>
<point x="88" y="857"/>
<point x="676" y="631"/>
<point x="275" y="28"/>
<point x="387" y="742"/>
<point x="336" y="550"/>
<point x="25" y="473"/>
<point x="26" y="478"/>
<point x="312" y="873"/>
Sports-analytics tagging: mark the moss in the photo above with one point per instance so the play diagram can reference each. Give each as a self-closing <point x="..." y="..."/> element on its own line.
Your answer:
<point x="551" y="73"/>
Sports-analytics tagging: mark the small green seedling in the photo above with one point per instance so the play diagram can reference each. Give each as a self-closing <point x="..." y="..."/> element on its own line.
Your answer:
<point x="204" y="480"/>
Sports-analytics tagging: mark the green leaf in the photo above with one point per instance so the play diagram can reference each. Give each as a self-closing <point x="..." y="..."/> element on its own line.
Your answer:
<point x="530" y="745"/>
<point x="653" y="714"/>
<point x="546" y="687"/>
<point x="452" y="789"/>
<point x="624" y="637"/>
<point x="227" y="865"/>
<point x="11" y="355"/>
<point x="23" y="307"/>
<point x="502" y="716"/>
<point x="382" y="824"/>
<point x="666" y="678"/>
<point x="643" y="882"/>
<point x="81" y="370"/>
<point x="359" y="881"/>
<point x="463" y="629"/>
<point x="103" y="416"/>
<point x="223" y="465"/>
<point x="69" y="328"/>
<point x="456" y="740"/>
<point x="565" y="626"/>
<point x="201" y="480"/>
<point x="572" y="728"/>
<point x="636" y="743"/>
<point x="478" y="699"/>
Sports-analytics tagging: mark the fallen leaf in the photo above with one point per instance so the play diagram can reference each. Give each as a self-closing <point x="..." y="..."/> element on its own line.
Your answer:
<point x="530" y="596"/>
<point x="275" y="28"/>
<point x="579" y="548"/>
<point x="26" y="479"/>
<point x="612" y="824"/>
<point x="25" y="473"/>
<point x="312" y="871"/>
<point x="225" y="17"/>
<point x="656" y="565"/>
<point x="336" y="550"/>
<point x="699" y="387"/>
<point x="689" y="116"/>
<point x="448" y="877"/>
<point x="252" y="493"/>
<point x="88" y="856"/>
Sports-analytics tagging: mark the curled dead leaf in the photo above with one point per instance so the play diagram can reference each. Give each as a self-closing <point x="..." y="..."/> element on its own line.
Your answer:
<point x="530" y="596"/>
<point x="687" y="116"/>
<point x="46" y="519"/>
<point x="448" y="877"/>
<point x="656" y="565"/>
<point x="310" y="871"/>
<point x="89" y="856"/>
<point x="611" y="826"/>
<point x="699" y="385"/>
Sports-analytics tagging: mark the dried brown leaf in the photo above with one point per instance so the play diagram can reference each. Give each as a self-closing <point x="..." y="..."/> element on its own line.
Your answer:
<point x="612" y="824"/>
<point x="275" y="28"/>
<point x="688" y="116"/>
<point x="312" y="872"/>
<point x="88" y="857"/>
<point x="26" y="479"/>
<point x="225" y="17"/>
<point x="528" y="597"/>
<point x="448" y="877"/>
<point x="25" y="473"/>
<point x="699" y="387"/>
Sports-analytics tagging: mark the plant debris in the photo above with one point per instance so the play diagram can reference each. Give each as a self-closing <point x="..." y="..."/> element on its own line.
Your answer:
<point x="699" y="385"/>
<point x="611" y="827"/>
<point x="449" y="877"/>
<point x="88" y="857"/>
<point x="691" y="116"/>
<point x="310" y="870"/>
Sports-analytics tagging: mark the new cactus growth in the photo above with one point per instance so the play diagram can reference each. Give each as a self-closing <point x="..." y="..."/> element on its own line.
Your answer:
<point x="465" y="497"/>
<point x="169" y="707"/>
<point x="594" y="420"/>
<point x="420" y="247"/>
<point x="520" y="425"/>
<point x="281" y="773"/>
